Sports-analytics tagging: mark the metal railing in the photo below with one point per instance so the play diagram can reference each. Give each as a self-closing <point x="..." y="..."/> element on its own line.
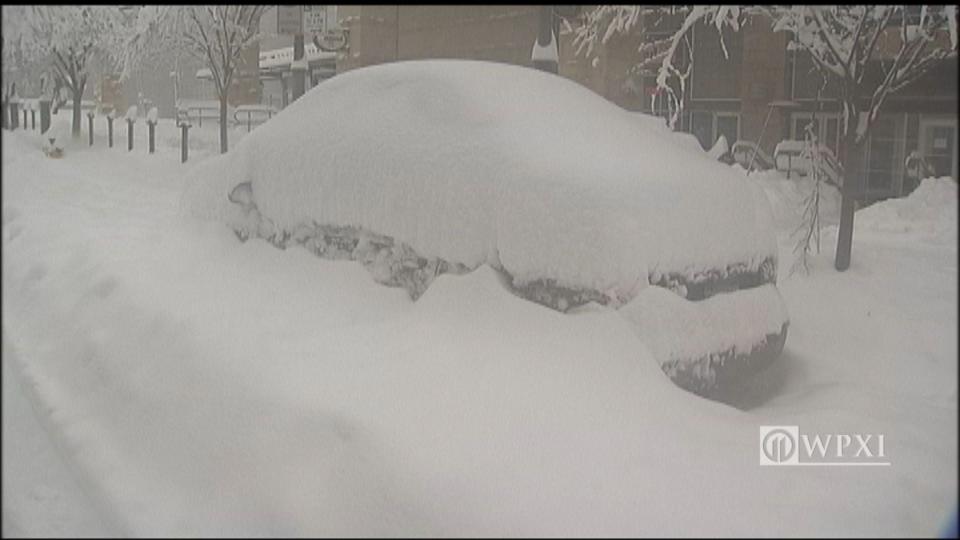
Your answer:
<point x="789" y="157"/>
<point x="255" y="114"/>
<point x="198" y="110"/>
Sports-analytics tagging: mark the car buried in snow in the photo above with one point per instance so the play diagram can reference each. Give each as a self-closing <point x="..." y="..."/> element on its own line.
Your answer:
<point x="421" y="168"/>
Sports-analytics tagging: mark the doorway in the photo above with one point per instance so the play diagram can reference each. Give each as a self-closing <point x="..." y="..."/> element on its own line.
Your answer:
<point x="938" y="144"/>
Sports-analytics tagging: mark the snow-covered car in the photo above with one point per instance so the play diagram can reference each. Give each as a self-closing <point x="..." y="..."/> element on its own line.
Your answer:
<point x="427" y="167"/>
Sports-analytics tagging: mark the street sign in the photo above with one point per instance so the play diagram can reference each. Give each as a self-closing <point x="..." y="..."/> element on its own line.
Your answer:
<point x="332" y="40"/>
<point x="289" y="19"/>
<point x="314" y="19"/>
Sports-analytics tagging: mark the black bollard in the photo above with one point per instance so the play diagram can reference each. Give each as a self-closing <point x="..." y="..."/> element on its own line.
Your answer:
<point x="44" y="115"/>
<point x="33" y="119"/>
<point x="24" y="119"/>
<point x="151" y="127"/>
<point x="129" y="134"/>
<point x="110" y="130"/>
<point x="90" y="126"/>
<point x="14" y="115"/>
<point x="183" y="142"/>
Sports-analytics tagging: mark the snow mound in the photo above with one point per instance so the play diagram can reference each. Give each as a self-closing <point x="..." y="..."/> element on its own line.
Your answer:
<point x="479" y="162"/>
<point x="57" y="137"/>
<point x="719" y="149"/>
<point x="929" y="212"/>
<point x="659" y="124"/>
<point x="675" y="329"/>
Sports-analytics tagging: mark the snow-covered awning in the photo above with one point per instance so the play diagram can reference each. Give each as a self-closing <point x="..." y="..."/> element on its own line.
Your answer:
<point x="282" y="60"/>
<point x="283" y="57"/>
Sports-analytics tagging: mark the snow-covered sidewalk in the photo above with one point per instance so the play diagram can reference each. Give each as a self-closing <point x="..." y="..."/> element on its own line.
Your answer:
<point x="208" y="387"/>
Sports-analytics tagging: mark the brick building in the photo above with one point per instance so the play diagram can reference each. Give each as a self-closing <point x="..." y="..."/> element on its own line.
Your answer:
<point x="763" y="92"/>
<point x="764" y="81"/>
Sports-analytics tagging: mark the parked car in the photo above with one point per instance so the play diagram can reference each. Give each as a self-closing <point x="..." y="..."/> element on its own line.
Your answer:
<point x="421" y="168"/>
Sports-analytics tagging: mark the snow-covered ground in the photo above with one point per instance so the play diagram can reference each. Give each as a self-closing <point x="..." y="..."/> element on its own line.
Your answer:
<point x="183" y="383"/>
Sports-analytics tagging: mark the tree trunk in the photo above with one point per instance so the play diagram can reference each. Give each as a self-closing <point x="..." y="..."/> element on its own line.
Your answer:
<point x="852" y="188"/>
<point x="223" y="123"/>
<point x="77" y="96"/>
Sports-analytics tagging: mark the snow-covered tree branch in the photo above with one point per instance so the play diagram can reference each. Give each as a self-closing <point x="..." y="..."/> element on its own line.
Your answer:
<point x="660" y="55"/>
<point x="62" y="38"/>
<point x="849" y="44"/>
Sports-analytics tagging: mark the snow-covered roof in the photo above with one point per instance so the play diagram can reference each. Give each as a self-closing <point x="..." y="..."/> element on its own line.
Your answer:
<point x="282" y="57"/>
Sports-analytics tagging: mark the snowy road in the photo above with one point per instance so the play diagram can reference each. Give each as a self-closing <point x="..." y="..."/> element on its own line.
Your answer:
<point x="202" y="386"/>
<point x="42" y="493"/>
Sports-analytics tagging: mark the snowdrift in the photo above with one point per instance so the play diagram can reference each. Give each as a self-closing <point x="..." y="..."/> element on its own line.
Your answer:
<point x="930" y="212"/>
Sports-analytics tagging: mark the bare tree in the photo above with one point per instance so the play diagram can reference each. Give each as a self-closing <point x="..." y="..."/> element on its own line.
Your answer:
<point x="846" y="43"/>
<point x="216" y="35"/>
<point x="843" y="42"/>
<point x="62" y="37"/>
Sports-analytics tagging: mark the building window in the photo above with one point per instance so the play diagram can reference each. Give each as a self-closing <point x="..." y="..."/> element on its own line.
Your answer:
<point x="806" y="80"/>
<point x="701" y="125"/>
<point x="728" y="125"/>
<point x="938" y="145"/>
<point x="715" y="75"/>
<point x="884" y="155"/>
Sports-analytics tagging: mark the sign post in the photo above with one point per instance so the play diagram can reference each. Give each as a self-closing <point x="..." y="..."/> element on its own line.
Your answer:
<point x="290" y="21"/>
<point x="314" y="19"/>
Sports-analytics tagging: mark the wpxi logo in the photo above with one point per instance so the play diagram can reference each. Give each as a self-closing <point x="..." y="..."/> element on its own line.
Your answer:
<point x="785" y="445"/>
